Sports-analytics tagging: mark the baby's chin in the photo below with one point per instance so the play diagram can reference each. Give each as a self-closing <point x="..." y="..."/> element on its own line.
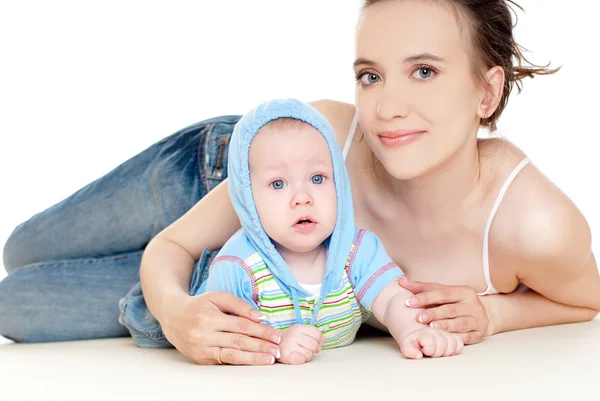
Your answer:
<point x="295" y="247"/>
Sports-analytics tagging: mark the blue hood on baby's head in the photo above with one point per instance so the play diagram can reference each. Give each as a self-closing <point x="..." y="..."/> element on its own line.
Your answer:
<point x="240" y="192"/>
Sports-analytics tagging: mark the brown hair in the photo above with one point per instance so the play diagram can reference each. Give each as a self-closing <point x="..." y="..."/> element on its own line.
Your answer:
<point x="491" y="30"/>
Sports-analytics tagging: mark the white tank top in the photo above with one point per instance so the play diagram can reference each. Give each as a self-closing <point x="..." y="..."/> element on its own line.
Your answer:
<point x="486" y="233"/>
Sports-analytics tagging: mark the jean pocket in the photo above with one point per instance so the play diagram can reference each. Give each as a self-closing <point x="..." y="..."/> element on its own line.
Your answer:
<point x="213" y="151"/>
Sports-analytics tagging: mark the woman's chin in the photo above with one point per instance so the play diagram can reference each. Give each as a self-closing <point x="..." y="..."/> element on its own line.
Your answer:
<point x="401" y="170"/>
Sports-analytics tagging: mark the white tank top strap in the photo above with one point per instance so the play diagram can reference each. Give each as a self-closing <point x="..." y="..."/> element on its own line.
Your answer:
<point x="350" y="136"/>
<point x="486" y="233"/>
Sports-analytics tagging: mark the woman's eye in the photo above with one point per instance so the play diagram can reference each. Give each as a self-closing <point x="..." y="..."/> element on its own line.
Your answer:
<point x="369" y="78"/>
<point x="278" y="184"/>
<point x="423" y="73"/>
<point x="317" y="179"/>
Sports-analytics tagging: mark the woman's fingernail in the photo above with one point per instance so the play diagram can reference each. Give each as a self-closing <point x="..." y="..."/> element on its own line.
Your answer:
<point x="402" y="278"/>
<point x="412" y="301"/>
<point x="275" y="353"/>
<point x="275" y="339"/>
<point x="257" y="315"/>
<point x="433" y="324"/>
<point x="423" y="318"/>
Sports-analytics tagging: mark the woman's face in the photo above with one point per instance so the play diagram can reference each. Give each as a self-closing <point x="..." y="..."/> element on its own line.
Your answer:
<point x="416" y="95"/>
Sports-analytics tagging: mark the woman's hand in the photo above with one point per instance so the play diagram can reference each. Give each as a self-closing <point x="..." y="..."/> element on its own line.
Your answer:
<point x="200" y="328"/>
<point x="457" y="309"/>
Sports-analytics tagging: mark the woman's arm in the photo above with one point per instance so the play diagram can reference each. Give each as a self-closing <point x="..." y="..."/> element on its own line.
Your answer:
<point x="168" y="259"/>
<point x="556" y="262"/>
<point x="196" y="325"/>
<point x="546" y="242"/>
<point x="458" y="309"/>
<point x="521" y="310"/>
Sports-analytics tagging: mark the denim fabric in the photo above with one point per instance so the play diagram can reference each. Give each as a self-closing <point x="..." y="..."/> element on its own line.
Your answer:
<point x="70" y="265"/>
<point x="143" y="327"/>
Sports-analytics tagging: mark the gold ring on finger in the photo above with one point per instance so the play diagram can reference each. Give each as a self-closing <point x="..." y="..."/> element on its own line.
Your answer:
<point x="219" y="355"/>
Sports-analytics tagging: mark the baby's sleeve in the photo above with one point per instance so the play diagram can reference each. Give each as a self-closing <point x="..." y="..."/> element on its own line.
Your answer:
<point x="372" y="269"/>
<point x="232" y="275"/>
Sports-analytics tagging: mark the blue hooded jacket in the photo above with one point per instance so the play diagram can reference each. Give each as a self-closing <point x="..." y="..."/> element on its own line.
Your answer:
<point x="372" y="269"/>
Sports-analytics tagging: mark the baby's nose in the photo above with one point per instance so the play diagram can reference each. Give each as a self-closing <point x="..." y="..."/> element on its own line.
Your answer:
<point x="302" y="198"/>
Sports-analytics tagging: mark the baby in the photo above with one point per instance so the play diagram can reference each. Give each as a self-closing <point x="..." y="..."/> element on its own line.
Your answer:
<point x="299" y="258"/>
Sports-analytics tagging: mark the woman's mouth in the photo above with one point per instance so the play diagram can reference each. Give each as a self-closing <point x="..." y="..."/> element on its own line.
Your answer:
<point x="399" y="137"/>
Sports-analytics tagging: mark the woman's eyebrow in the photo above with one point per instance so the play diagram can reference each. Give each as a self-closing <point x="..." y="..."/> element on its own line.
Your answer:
<point x="423" y="57"/>
<point x="360" y="61"/>
<point x="410" y="59"/>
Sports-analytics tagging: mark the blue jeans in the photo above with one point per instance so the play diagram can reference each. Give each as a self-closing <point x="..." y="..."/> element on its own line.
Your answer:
<point x="73" y="269"/>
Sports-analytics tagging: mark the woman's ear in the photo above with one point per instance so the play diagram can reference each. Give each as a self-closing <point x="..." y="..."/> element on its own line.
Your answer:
<point x="492" y="94"/>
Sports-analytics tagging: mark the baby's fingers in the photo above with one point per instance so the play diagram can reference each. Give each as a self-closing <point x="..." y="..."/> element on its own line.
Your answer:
<point x="459" y="344"/>
<point x="309" y="343"/>
<point x="294" y="358"/>
<point x="321" y="342"/>
<point x="433" y="344"/>
<point x="411" y="348"/>
<point x="452" y="344"/>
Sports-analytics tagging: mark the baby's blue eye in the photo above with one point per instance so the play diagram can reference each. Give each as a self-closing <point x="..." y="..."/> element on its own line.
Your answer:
<point x="317" y="179"/>
<point x="278" y="184"/>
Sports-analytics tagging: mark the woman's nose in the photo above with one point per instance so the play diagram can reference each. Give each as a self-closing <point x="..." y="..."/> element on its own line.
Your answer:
<point x="392" y="103"/>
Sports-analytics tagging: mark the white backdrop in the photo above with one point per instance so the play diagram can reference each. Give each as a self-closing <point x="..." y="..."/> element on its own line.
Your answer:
<point x="85" y="85"/>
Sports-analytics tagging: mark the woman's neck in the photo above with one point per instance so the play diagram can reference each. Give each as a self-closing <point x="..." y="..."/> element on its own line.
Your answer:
<point x="445" y="190"/>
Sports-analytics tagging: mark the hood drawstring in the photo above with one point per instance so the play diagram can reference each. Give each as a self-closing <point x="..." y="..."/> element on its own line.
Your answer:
<point x="324" y="291"/>
<point x="299" y="319"/>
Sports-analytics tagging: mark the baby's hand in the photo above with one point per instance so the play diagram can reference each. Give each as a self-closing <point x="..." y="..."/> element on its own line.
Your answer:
<point x="429" y="341"/>
<point x="299" y="343"/>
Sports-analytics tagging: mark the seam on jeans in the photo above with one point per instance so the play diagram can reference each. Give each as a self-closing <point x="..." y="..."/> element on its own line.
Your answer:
<point x="124" y="321"/>
<point x="156" y="336"/>
<point x="219" y="161"/>
<point x="200" y="270"/>
<point x="216" y="168"/>
<point x="201" y="140"/>
<point x="76" y="261"/>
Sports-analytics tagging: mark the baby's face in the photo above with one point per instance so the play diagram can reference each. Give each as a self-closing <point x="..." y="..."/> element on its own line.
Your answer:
<point x="292" y="184"/>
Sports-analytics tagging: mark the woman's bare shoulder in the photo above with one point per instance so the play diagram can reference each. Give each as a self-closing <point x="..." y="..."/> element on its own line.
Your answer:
<point x="339" y="115"/>
<point x="536" y="220"/>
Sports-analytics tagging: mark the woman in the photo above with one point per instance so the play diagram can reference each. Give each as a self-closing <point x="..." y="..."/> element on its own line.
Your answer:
<point x="421" y="180"/>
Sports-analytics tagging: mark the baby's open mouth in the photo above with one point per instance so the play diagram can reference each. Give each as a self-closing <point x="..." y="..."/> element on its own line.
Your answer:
<point x="304" y="220"/>
<point x="305" y="225"/>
